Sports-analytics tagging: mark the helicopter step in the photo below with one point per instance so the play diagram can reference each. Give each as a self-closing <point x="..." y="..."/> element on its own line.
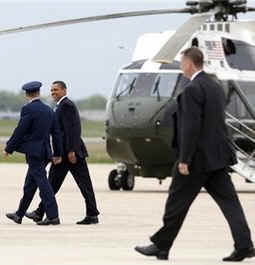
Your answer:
<point x="244" y="141"/>
<point x="245" y="167"/>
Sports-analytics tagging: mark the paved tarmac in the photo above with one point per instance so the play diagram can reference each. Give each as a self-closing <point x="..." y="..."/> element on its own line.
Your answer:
<point x="127" y="219"/>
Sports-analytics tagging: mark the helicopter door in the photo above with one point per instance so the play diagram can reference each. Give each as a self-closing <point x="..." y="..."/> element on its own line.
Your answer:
<point x="231" y="99"/>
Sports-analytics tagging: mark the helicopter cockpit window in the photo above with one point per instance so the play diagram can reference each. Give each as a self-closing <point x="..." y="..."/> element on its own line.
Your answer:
<point x="164" y="85"/>
<point x="144" y="84"/>
<point x="149" y="84"/>
<point x="134" y="84"/>
<point x="181" y="83"/>
<point x="125" y="84"/>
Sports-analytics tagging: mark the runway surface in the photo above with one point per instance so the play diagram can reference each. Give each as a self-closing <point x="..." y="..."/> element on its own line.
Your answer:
<point x="127" y="219"/>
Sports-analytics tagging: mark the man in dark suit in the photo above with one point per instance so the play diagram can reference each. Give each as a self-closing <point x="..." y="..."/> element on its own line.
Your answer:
<point x="204" y="153"/>
<point x="74" y="156"/>
<point x="32" y="137"/>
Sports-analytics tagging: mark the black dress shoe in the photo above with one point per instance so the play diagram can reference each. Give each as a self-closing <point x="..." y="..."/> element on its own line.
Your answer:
<point x="14" y="217"/>
<point x="88" y="220"/>
<point x="152" y="250"/>
<point x="46" y="221"/>
<point x="239" y="255"/>
<point x="34" y="216"/>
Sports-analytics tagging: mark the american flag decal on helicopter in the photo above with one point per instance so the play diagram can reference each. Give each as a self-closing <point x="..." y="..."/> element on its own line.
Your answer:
<point x="214" y="50"/>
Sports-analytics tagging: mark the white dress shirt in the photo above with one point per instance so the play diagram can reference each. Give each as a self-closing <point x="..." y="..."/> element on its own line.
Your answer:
<point x="61" y="99"/>
<point x="195" y="74"/>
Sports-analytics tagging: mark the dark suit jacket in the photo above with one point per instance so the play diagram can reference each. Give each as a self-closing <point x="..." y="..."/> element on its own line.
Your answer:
<point x="32" y="135"/>
<point x="70" y="127"/>
<point x="202" y="136"/>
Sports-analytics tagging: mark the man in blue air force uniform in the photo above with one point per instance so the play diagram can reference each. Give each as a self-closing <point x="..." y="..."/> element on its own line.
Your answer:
<point x="32" y="137"/>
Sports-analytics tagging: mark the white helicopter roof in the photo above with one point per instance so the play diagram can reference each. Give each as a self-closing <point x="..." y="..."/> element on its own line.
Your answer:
<point x="210" y="33"/>
<point x="149" y="44"/>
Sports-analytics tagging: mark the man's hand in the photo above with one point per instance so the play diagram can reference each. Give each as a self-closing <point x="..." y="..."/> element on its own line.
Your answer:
<point x="5" y="154"/>
<point x="56" y="160"/>
<point x="72" y="157"/>
<point x="183" y="168"/>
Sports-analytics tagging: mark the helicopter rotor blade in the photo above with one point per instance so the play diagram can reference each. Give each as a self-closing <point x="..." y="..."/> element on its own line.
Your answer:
<point x="170" y="49"/>
<point x="98" y="18"/>
<point x="250" y="9"/>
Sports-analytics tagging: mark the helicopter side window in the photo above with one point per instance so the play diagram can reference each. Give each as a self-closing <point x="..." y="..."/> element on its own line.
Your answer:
<point x="220" y="27"/>
<point x="195" y="43"/>
<point x="239" y="54"/>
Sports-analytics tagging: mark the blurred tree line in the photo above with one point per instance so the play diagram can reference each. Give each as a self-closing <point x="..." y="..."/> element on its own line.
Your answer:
<point x="14" y="101"/>
<point x="94" y="102"/>
<point x="11" y="101"/>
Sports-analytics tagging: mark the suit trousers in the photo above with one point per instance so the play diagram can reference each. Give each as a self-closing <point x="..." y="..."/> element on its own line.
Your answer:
<point x="37" y="178"/>
<point x="81" y="176"/>
<point x="184" y="189"/>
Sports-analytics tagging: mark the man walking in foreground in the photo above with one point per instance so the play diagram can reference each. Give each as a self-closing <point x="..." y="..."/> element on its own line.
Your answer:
<point x="32" y="137"/>
<point x="74" y="156"/>
<point x="204" y="155"/>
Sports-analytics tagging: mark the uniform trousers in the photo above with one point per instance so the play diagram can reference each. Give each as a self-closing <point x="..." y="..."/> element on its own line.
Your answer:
<point x="37" y="178"/>
<point x="81" y="176"/>
<point x="182" y="192"/>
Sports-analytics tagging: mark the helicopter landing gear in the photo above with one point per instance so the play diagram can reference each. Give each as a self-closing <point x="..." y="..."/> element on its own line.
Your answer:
<point x="127" y="181"/>
<point x="121" y="178"/>
<point x="114" y="180"/>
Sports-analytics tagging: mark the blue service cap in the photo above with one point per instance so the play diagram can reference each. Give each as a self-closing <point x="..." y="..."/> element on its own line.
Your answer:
<point x="32" y="86"/>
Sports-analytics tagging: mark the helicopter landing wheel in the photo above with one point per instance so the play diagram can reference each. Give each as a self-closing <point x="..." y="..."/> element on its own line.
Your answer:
<point x="114" y="180"/>
<point x="127" y="180"/>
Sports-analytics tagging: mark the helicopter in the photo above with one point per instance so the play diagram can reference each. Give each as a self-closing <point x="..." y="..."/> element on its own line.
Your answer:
<point x="139" y="127"/>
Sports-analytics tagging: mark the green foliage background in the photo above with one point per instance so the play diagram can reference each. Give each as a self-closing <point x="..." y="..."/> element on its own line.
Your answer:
<point x="14" y="101"/>
<point x="94" y="102"/>
<point x="11" y="101"/>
